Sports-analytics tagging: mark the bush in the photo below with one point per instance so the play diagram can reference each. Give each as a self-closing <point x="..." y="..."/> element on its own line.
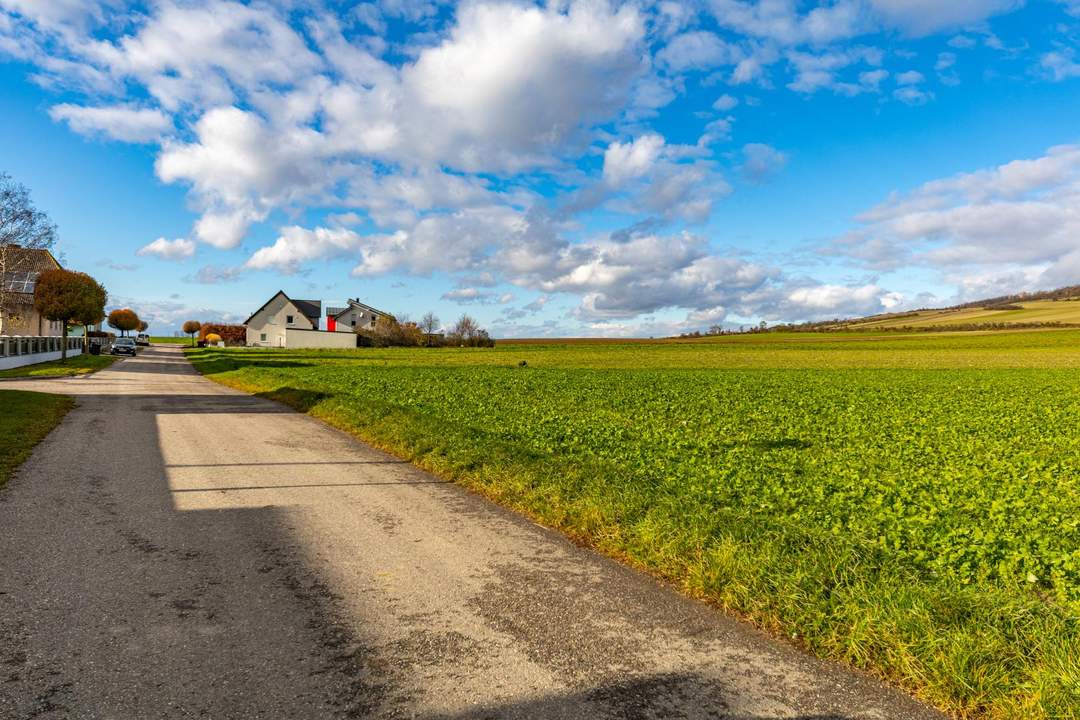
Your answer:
<point x="231" y="334"/>
<point x="468" y="333"/>
<point x="388" y="332"/>
<point x="212" y="339"/>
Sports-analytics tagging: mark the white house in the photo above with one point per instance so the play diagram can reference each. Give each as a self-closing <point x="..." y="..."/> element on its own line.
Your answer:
<point x="355" y="316"/>
<point x="268" y="326"/>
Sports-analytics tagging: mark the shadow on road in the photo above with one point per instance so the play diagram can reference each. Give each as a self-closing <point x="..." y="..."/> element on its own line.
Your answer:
<point x="122" y="596"/>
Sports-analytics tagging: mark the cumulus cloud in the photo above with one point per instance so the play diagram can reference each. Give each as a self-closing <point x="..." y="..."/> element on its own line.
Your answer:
<point x="1019" y="219"/>
<point x="698" y="50"/>
<point x="427" y="155"/>
<point x="240" y="169"/>
<point x="179" y="249"/>
<point x="625" y="161"/>
<point x="818" y="71"/>
<point x="296" y="245"/>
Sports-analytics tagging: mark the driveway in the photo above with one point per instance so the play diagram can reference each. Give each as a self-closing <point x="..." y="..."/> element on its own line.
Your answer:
<point x="178" y="549"/>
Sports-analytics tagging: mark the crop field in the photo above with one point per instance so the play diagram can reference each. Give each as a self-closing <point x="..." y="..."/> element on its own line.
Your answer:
<point x="909" y="505"/>
<point x="1065" y="312"/>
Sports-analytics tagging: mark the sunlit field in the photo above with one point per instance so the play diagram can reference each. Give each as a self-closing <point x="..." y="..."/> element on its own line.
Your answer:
<point x="909" y="504"/>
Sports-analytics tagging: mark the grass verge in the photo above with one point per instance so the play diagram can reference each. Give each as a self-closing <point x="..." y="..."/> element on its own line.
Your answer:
<point x="25" y="419"/>
<point x="977" y="648"/>
<point x="78" y="365"/>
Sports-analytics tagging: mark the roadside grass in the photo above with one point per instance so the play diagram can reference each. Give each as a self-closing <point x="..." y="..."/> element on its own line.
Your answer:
<point x="25" y="419"/>
<point x="167" y="340"/>
<point x="78" y="365"/>
<point x="847" y="493"/>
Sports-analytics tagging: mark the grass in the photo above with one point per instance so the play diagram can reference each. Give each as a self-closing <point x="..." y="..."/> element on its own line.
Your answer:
<point x="78" y="365"/>
<point x="166" y="340"/>
<point x="909" y="505"/>
<point x="26" y="419"/>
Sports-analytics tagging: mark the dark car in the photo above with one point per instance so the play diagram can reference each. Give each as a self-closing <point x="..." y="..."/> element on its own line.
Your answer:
<point x="123" y="346"/>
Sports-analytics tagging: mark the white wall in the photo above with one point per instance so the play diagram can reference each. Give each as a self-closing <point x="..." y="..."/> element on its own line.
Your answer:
<point x="271" y="321"/>
<point x="296" y="338"/>
<point x="14" y="361"/>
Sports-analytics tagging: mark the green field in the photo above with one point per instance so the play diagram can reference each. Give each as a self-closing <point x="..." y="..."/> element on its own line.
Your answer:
<point x="1064" y="312"/>
<point x="25" y="419"/>
<point x="907" y="504"/>
<point x="78" y="365"/>
<point x="166" y="340"/>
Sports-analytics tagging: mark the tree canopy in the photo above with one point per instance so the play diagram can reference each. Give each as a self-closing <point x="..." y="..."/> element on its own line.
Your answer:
<point x="69" y="297"/>
<point x="124" y="320"/>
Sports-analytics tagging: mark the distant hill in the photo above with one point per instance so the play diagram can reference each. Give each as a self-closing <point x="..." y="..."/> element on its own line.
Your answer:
<point x="1049" y="308"/>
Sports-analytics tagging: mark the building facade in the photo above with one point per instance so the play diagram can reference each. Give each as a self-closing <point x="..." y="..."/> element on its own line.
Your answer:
<point x="19" y="271"/>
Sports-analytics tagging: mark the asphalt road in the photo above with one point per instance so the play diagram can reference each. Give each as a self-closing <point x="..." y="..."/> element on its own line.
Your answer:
<point x="176" y="549"/>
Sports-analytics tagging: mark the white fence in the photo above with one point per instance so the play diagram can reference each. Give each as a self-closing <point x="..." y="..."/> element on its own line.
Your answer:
<point x="19" y="350"/>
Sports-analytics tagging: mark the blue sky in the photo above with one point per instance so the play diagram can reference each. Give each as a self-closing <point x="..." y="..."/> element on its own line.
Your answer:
<point x="576" y="168"/>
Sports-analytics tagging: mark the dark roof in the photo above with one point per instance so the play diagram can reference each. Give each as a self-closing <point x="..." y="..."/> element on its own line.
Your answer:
<point x="357" y="304"/>
<point x="311" y="309"/>
<point x="20" y="267"/>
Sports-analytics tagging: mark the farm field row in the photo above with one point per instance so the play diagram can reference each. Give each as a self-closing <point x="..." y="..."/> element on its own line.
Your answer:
<point x="907" y="505"/>
<point x="1037" y="311"/>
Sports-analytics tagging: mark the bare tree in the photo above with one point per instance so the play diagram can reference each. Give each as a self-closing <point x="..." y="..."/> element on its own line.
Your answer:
<point x="22" y="227"/>
<point x="465" y="328"/>
<point x="429" y="324"/>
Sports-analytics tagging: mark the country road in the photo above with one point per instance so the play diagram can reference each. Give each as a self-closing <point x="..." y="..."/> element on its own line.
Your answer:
<point x="176" y="549"/>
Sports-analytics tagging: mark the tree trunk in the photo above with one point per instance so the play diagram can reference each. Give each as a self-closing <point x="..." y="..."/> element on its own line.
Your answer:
<point x="63" y="344"/>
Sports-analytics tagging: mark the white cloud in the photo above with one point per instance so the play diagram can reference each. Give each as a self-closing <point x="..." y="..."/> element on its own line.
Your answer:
<point x="625" y="161"/>
<point x="1017" y="219"/>
<point x="761" y="162"/>
<point x="475" y="296"/>
<point x="215" y="275"/>
<point x="910" y="95"/>
<point x="179" y="249"/>
<point x="511" y="84"/>
<point x="1060" y="65"/>
<point x="296" y="245"/>
<point x="923" y="17"/>
<point x="240" y="169"/>
<point x="203" y="53"/>
<point x="698" y="50"/>
<point x="815" y="72"/>
<point x="725" y="102"/>
<point x="171" y="314"/>
<point x="119" y="122"/>
<point x="911" y="77"/>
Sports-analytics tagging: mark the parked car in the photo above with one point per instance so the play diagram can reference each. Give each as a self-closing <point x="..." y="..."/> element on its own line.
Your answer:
<point x="142" y="339"/>
<point x="123" y="346"/>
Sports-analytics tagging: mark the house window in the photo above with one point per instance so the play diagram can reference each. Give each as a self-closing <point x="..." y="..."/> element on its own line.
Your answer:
<point x="262" y="337"/>
<point x="288" y="319"/>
